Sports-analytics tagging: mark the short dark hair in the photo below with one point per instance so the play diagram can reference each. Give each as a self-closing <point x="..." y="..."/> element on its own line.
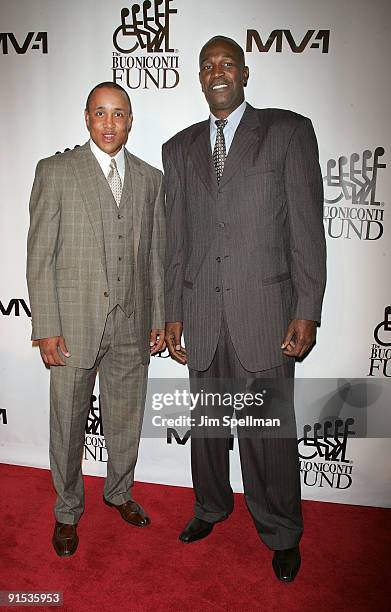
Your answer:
<point x="110" y="85"/>
<point x="228" y="40"/>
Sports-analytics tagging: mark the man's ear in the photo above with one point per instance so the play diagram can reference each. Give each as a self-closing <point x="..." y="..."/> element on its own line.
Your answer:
<point x="130" y="122"/>
<point x="87" y="119"/>
<point x="246" y="75"/>
<point x="200" y="80"/>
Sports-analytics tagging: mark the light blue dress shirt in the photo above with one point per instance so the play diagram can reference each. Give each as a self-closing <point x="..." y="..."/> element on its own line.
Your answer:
<point x="230" y="129"/>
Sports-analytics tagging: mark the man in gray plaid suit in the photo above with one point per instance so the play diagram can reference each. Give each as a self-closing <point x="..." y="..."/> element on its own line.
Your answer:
<point x="95" y="277"/>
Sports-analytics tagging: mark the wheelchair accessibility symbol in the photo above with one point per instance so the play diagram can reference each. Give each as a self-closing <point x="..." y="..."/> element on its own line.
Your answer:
<point x="384" y="326"/>
<point x="146" y="26"/>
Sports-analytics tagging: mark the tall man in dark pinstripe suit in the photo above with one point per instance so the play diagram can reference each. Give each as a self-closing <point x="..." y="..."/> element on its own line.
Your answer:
<point x="245" y="277"/>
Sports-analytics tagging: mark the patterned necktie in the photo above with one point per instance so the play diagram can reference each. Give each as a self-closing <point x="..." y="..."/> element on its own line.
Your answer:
<point x="219" y="154"/>
<point x="114" y="181"/>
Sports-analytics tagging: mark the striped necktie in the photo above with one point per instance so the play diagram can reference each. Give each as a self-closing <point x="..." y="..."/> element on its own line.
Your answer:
<point x="219" y="153"/>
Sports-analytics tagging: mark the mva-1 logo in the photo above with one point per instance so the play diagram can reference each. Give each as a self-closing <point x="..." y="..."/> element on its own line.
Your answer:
<point x="182" y="438"/>
<point x="15" y="307"/>
<point x="312" y="39"/>
<point x="33" y="41"/>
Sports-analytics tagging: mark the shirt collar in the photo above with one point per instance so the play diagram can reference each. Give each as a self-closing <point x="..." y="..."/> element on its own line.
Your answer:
<point x="233" y="119"/>
<point x="104" y="159"/>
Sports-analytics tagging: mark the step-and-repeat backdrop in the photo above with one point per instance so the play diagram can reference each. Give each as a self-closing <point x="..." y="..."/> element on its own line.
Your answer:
<point x="326" y="60"/>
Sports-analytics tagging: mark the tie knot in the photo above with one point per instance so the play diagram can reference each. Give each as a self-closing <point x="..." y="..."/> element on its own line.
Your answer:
<point x="113" y="164"/>
<point x="221" y="123"/>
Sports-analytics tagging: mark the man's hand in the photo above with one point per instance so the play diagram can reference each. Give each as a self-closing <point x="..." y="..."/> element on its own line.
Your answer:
<point x="173" y="340"/>
<point x="49" y="350"/>
<point x="299" y="338"/>
<point x="156" y="343"/>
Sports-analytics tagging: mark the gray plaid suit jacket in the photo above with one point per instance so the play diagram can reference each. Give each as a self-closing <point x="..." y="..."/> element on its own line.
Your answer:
<point x="268" y="209"/>
<point x="66" y="268"/>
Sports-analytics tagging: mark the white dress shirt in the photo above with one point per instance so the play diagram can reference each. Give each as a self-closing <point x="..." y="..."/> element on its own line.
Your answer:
<point x="104" y="160"/>
<point x="230" y="129"/>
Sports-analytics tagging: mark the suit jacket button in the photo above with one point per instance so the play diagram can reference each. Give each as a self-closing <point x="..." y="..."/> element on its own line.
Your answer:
<point x="217" y="289"/>
<point x="106" y="294"/>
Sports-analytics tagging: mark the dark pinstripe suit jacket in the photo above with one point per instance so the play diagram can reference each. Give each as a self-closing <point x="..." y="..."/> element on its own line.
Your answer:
<point x="266" y="215"/>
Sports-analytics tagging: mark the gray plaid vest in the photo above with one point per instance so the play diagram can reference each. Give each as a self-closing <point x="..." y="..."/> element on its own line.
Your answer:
<point x="119" y="241"/>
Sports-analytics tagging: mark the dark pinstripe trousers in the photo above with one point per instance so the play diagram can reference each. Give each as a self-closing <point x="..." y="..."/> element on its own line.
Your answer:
<point x="269" y="459"/>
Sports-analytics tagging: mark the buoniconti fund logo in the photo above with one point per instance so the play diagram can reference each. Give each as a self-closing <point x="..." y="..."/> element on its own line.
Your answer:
<point x="380" y="356"/>
<point x="351" y="209"/>
<point x="144" y="56"/>
<point x="323" y="454"/>
<point x="94" y="442"/>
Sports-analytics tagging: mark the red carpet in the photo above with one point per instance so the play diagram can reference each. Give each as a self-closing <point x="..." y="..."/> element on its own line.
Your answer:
<point x="346" y="555"/>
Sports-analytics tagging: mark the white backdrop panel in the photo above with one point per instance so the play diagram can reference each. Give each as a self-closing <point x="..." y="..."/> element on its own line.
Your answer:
<point x="346" y="93"/>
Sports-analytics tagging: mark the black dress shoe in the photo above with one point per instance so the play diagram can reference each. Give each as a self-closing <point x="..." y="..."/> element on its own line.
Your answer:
<point x="195" y="530"/>
<point x="286" y="564"/>
<point x="65" y="539"/>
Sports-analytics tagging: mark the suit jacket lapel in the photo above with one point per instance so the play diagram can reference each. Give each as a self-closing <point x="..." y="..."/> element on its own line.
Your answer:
<point x="138" y="190"/>
<point x="249" y="133"/>
<point x="201" y="156"/>
<point x="85" y="168"/>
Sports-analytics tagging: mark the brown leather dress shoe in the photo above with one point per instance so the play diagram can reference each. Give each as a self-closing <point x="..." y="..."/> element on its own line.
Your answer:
<point x="65" y="539"/>
<point x="131" y="512"/>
